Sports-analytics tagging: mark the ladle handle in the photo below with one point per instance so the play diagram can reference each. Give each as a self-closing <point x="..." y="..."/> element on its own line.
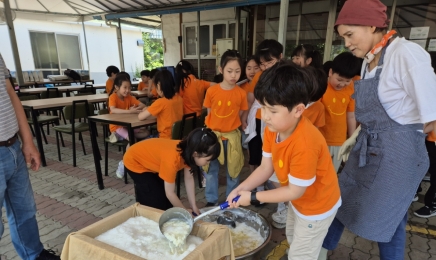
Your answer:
<point x="225" y="205"/>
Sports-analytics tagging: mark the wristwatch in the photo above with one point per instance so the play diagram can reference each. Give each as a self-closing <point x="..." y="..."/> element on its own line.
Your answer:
<point x="253" y="200"/>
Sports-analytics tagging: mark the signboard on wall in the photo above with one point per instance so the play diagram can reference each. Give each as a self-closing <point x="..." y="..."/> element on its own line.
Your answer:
<point x="432" y="45"/>
<point x="419" y="32"/>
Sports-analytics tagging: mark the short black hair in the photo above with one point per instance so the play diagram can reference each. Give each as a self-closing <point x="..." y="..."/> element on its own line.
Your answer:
<point x="183" y="69"/>
<point x="145" y="73"/>
<point x="269" y="49"/>
<point x="230" y="55"/>
<point x="309" y="51"/>
<point x="346" y="65"/>
<point x="218" y="78"/>
<point x="319" y="86"/>
<point x="153" y="72"/>
<point x="327" y="66"/>
<point x="112" y="69"/>
<point x="166" y="81"/>
<point x="283" y="84"/>
<point x="119" y="79"/>
<point x="203" y="141"/>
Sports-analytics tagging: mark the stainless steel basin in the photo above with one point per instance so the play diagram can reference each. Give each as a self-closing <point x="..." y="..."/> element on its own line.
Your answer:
<point x="250" y="218"/>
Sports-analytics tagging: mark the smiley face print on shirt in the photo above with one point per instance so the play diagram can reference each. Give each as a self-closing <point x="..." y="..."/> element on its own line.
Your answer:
<point x="338" y="107"/>
<point x="223" y="110"/>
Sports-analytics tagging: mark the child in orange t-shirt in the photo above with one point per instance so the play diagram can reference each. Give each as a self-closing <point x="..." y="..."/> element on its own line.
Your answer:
<point x="297" y="152"/>
<point x="153" y="165"/>
<point x="340" y="121"/>
<point x="168" y="109"/>
<point x="152" y="92"/>
<point x="191" y="89"/>
<point x="269" y="52"/>
<point x="145" y="77"/>
<point x="251" y="68"/>
<point x="111" y="72"/>
<point x="121" y="102"/>
<point x="225" y="104"/>
<point x="315" y="110"/>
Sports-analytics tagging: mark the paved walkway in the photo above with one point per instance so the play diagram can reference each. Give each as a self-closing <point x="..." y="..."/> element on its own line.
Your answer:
<point x="68" y="199"/>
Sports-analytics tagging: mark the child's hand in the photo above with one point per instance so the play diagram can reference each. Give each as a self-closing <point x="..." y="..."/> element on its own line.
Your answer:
<point x="230" y="198"/>
<point x="244" y="125"/>
<point x="135" y="109"/>
<point x="245" y="198"/>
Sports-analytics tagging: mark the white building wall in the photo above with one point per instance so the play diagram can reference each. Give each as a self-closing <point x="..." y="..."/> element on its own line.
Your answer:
<point x="101" y="40"/>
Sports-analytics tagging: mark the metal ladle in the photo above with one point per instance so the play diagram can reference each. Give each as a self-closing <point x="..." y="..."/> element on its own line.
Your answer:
<point x="185" y="216"/>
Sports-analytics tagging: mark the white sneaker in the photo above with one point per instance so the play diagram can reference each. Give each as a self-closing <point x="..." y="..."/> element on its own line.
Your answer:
<point x="280" y="216"/>
<point x="120" y="170"/>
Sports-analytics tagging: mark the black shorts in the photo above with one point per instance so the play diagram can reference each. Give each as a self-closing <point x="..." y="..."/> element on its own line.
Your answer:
<point x="150" y="190"/>
<point x="255" y="146"/>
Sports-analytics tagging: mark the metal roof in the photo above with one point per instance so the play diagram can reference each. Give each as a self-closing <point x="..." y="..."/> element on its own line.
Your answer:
<point x="137" y="12"/>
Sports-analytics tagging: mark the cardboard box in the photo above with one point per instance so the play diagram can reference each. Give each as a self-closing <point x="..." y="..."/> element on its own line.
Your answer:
<point x="81" y="245"/>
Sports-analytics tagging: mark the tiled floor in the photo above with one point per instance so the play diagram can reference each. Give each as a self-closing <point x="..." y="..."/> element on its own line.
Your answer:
<point x="68" y="199"/>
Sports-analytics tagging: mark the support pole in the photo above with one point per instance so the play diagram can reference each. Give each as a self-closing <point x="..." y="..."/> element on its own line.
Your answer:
<point x="12" y="37"/>
<point x="297" y="38"/>
<point x="198" y="45"/>
<point x="256" y="7"/>
<point x="391" y="22"/>
<point x="120" y="45"/>
<point x="283" y="23"/>
<point x="86" y="44"/>
<point x="330" y="29"/>
<point x="238" y="20"/>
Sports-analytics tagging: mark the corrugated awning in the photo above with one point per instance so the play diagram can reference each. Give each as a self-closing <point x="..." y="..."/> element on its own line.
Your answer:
<point x="140" y="12"/>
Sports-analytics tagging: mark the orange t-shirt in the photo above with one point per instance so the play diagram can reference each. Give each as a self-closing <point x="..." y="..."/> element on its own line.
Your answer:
<point x="316" y="114"/>
<point x="109" y="85"/>
<point x="431" y="137"/>
<point x="167" y="112"/>
<point x="303" y="159"/>
<point x="193" y="95"/>
<point x="224" y="108"/>
<point x="337" y="103"/>
<point x="142" y="86"/>
<point x="245" y="86"/>
<point x="115" y="101"/>
<point x="155" y="155"/>
<point x="251" y="89"/>
<point x="154" y="91"/>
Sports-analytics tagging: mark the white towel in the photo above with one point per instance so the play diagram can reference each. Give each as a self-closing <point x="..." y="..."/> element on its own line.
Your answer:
<point x="251" y="122"/>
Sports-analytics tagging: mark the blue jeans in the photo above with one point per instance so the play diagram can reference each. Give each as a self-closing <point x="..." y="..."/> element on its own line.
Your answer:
<point x="212" y="178"/>
<point x="16" y="192"/>
<point x="393" y="250"/>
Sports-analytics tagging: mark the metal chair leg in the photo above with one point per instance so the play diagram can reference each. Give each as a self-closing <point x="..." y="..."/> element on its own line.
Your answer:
<point x="43" y="134"/>
<point x="59" y="148"/>
<point x="106" y="152"/>
<point x="83" y="145"/>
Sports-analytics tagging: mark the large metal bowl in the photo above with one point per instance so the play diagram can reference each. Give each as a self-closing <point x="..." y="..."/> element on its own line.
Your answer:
<point x="250" y="218"/>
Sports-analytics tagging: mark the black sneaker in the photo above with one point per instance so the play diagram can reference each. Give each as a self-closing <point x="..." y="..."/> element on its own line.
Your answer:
<point x="425" y="212"/>
<point x="48" y="255"/>
<point x="211" y="204"/>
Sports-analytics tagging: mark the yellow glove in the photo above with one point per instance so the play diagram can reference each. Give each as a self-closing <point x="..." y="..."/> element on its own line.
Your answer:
<point x="346" y="147"/>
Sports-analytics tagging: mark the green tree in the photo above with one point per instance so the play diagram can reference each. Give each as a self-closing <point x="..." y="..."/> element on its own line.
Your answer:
<point x="153" y="51"/>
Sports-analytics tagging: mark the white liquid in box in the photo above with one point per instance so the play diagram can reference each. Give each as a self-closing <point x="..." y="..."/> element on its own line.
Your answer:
<point x="141" y="236"/>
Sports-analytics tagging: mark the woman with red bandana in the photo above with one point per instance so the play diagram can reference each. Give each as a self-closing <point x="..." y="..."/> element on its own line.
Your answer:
<point x="395" y="106"/>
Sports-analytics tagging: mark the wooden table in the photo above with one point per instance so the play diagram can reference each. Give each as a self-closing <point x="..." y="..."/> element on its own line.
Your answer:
<point x="67" y="89"/>
<point x="134" y="83"/>
<point x="54" y="82"/>
<point x="130" y="121"/>
<point x="34" y="105"/>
